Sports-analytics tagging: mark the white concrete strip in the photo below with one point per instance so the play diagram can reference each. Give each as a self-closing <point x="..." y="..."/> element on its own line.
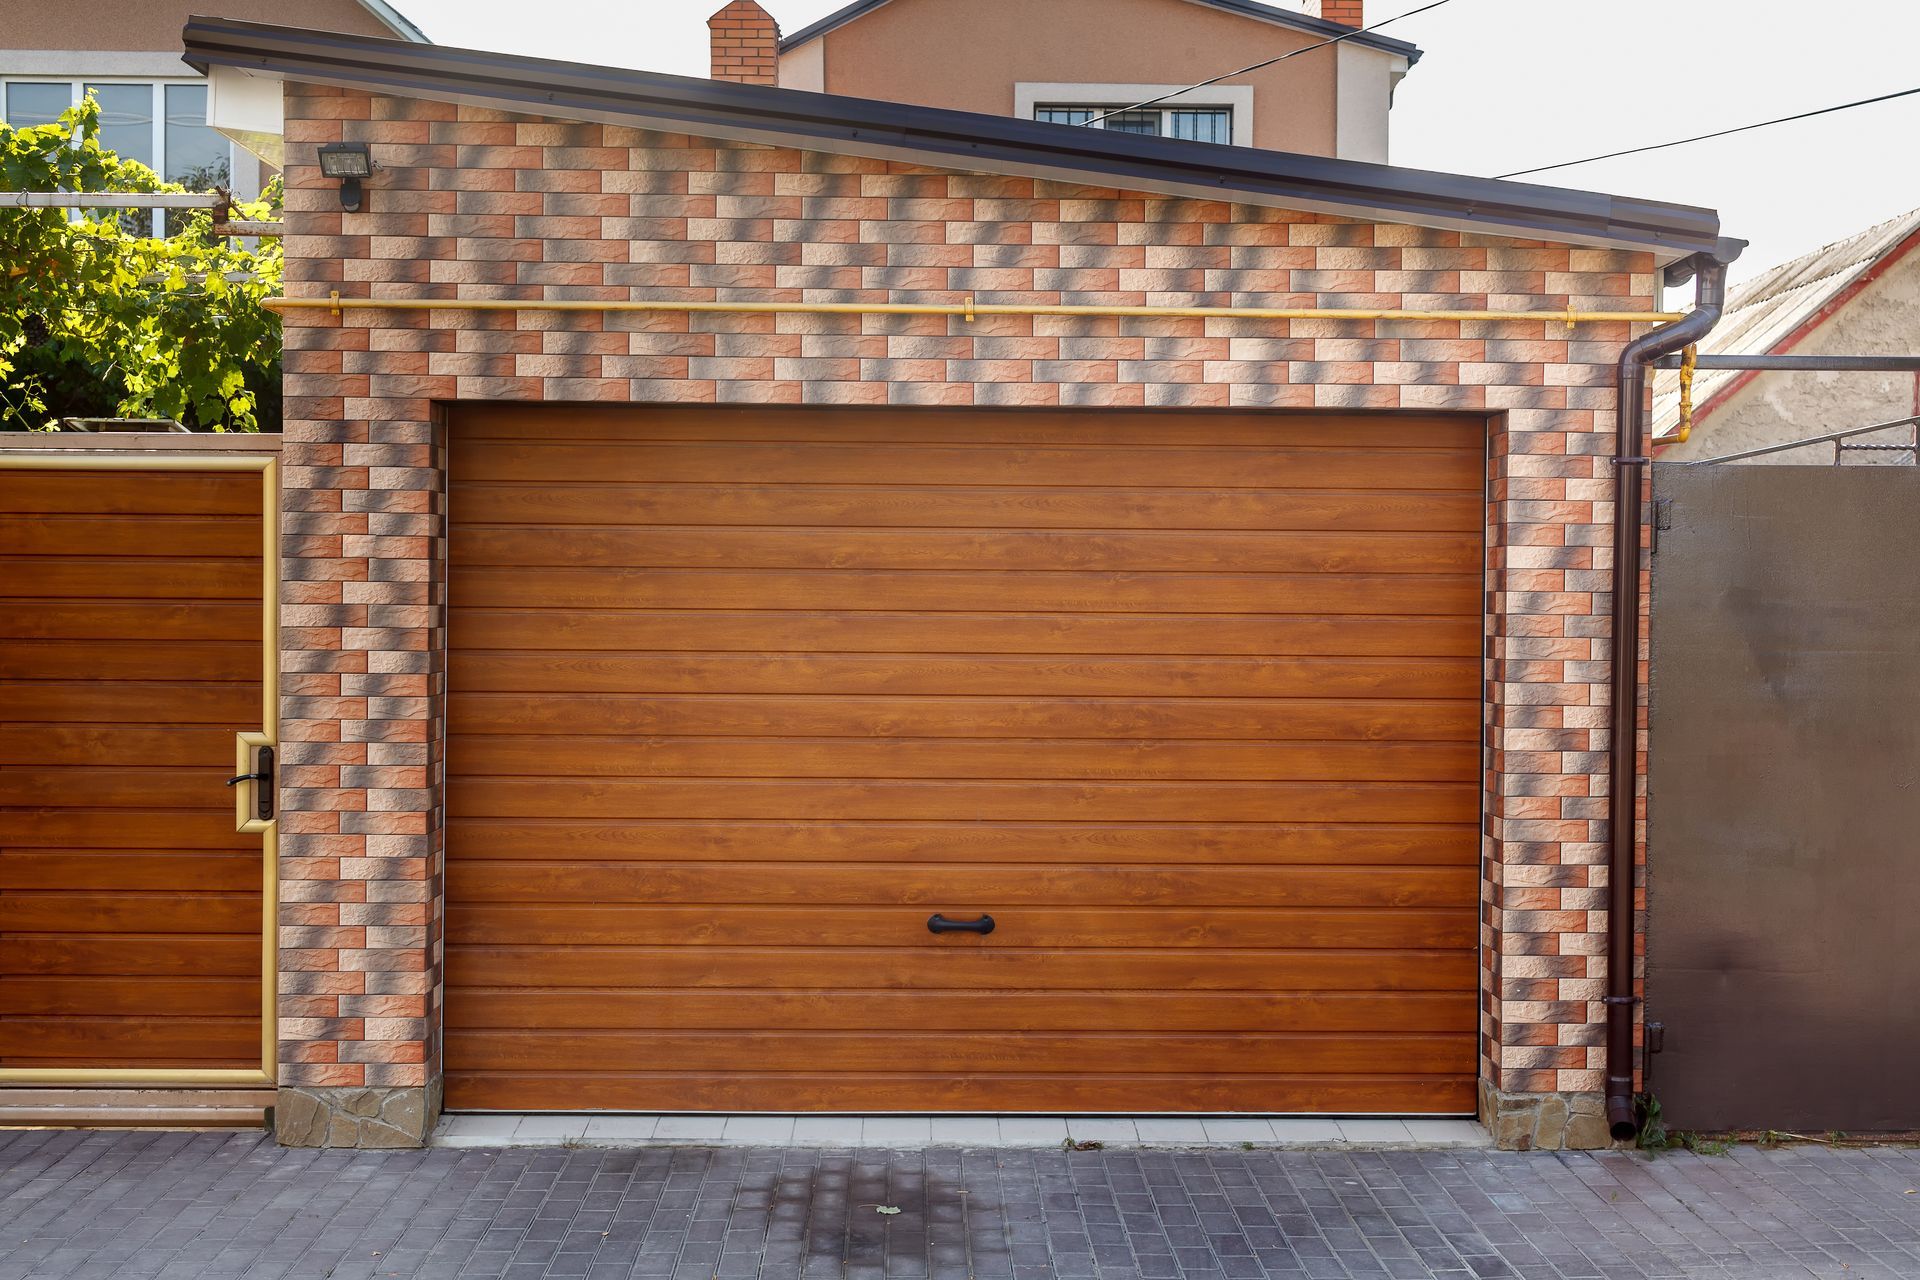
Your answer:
<point x="909" y="1133"/>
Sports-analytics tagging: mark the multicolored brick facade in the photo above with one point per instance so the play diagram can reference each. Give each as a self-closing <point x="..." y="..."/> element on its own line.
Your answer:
<point x="474" y="203"/>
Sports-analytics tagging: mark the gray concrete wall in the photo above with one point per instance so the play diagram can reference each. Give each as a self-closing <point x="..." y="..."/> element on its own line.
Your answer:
<point x="1774" y="408"/>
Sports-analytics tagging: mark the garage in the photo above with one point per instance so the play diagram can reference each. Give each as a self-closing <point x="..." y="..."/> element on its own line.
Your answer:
<point x="748" y="708"/>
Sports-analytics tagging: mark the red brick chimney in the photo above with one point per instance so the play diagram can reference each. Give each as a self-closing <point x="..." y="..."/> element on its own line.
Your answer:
<point x="1351" y="12"/>
<point x="746" y="44"/>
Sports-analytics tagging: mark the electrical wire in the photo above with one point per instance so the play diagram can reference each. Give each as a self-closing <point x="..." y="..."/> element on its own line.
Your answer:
<point x="1346" y="35"/>
<point x="1745" y="128"/>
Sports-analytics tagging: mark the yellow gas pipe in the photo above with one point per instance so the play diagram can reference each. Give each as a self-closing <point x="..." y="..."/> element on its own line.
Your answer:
<point x="969" y="310"/>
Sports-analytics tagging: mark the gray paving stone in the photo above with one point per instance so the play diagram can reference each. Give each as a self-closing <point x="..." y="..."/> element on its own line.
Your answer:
<point x="87" y="1206"/>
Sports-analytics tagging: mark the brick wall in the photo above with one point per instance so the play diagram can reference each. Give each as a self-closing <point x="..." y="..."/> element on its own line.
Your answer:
<point x="474" y="203"/>
<point x="1351" y="12"/>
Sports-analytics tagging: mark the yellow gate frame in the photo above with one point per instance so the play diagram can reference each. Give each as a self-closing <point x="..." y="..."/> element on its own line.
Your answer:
<point x="269" y="469"/>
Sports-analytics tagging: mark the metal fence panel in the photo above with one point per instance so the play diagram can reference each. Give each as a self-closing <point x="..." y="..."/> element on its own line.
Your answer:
<point x="1783" y="942"/>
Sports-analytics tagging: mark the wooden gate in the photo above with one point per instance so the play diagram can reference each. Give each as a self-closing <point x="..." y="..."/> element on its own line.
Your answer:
<point x="138" y="606"/>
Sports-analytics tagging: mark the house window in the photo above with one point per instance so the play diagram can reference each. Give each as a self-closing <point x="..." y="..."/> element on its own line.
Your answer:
<point x="162" y="124"/>
<point x="1192" y="124"/>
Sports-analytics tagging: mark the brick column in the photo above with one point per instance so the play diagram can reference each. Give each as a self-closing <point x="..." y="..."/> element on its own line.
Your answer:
<point x="362" y="663"/>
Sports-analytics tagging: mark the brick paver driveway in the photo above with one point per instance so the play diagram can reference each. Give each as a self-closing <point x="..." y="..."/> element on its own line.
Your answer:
<point x="195" y="1206"/>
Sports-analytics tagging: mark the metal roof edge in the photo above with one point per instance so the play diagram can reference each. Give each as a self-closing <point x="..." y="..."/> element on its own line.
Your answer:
<point x="1245" y="8"/>
<point x="395" y="21"/>
<point x="955" y="139"/>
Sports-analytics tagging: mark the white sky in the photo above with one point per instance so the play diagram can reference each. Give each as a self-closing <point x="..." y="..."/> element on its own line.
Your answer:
<point x="1505" y="85"/>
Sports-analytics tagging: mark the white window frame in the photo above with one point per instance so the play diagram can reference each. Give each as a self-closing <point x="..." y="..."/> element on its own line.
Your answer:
<point x="1028" y="96"/>
<point x="77" y="89"/>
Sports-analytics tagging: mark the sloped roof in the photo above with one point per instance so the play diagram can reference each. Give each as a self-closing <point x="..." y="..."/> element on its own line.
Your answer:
<point x="1245" y="8"/>
<point x="1767" y="314"/>
<point x="394" y="20"/>
<point x="962" y="140"/>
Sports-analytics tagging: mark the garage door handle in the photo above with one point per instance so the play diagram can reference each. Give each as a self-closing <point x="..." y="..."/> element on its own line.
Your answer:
<point x="940" y="924"/>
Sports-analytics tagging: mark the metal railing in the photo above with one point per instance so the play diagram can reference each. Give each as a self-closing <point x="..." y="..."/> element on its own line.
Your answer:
<point x="1840" y="442"/>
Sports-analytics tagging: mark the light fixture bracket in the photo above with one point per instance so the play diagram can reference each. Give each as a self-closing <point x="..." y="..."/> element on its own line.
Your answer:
<point x="352" y="164"/>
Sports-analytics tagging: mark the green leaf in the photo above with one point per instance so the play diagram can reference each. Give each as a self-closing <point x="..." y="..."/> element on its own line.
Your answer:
<point x="97" y="319"/>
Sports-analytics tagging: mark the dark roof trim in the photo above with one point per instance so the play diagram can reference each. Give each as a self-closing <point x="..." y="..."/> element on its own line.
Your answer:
<point x="952" y="139"/>
<point x="1245" y="8"/>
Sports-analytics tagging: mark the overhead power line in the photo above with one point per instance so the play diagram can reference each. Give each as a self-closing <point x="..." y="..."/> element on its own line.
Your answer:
<point x="1345" y="35"/>
<point x="1745" y="128"/>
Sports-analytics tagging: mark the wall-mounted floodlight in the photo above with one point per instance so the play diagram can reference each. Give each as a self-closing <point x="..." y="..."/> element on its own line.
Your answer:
<point x="351" y="163"/>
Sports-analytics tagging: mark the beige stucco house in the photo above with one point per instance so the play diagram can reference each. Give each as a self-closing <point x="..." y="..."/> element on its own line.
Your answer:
<point x="1072" y="61"/>
<point x="1858" y="297"/>
<point x="153" y="107"/>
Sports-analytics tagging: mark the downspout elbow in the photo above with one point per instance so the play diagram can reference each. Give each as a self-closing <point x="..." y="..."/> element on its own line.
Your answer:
<point x="1629" y="463"/>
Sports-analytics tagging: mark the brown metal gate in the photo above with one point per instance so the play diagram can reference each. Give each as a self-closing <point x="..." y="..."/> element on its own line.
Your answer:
<point x="1784" y="810"/>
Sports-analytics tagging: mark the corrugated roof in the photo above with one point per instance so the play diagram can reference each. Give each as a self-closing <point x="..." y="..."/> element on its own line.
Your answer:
<point x="1767" y="310"/>
<point x="1245" y="8"/>
<point x="955" y="139"/>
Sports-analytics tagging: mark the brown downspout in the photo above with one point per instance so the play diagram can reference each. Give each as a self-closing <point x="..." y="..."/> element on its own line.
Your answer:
<point x="1630" y="461"/>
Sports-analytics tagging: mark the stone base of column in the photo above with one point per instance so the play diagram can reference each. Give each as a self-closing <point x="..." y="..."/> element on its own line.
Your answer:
<point x="1545" y="1121"/>
<point x="366" y="1117"/>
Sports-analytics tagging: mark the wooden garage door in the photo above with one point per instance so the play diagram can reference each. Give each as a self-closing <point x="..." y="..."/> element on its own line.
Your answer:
<point x="132" y="921"/>
<point x="1188" y="703"/>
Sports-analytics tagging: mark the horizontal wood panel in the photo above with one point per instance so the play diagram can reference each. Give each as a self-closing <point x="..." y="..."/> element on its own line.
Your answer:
<point x="518" y="423"/>
<point x="131" y="871"/>
<point x="131" y="912"/>
<point x="130" y="535"/>
<point x="177" y="1040"/>
<point x="938" y="590"/>
<point x="67" y="828"/>
<point x="131" y="955"/>
<point x="688" y="1009"/>
<point x="963" y="890"/>
<point x="109" y="788"/>
<point x="1096" y="465"/>
<point x="583" y="500"/>
<point x="969" y="1053"/>
<point x="1015" y="801"/>
<point x="132" y="997"/>
<point x="135" y="658"/>
<point x="792" y="631"/>
<point x="94" y="493"/>
<point x="912" y="843"/>
<point x="79" y="577"/>
<point x="1188" y="702"/>
<point x="199" y="913"/>
<point x="542" y="921"/>
<point x="102" y="702"/>
<point x="957" y="675"/>
<point x="931" y="967"/>
<point x="968" y="716"/>
<point x="152" y="622"/>
<point x="1091" y="758"/>
<point x="111" y="745"/>
<point x="747" y="1090"/>
<point x="1022" y="550"/>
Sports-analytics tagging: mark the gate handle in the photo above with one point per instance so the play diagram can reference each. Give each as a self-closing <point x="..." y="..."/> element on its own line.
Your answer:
<point x="261" y="810"/>
<point x="940" y="924"/>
